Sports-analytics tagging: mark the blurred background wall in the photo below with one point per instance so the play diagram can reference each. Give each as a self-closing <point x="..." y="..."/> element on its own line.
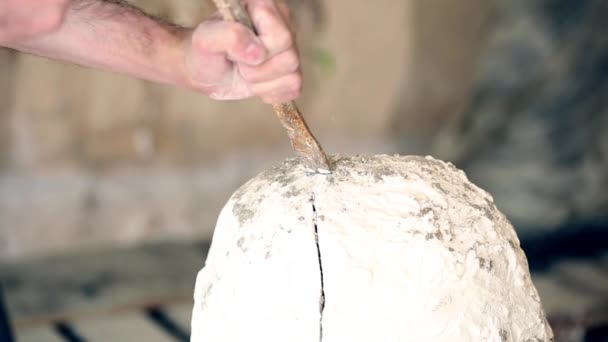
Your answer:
<point x="514" y="92"/>
<point x="92" y="158"/>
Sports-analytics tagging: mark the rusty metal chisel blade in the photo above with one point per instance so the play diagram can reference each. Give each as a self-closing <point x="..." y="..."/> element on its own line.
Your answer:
<point x="302" y="140"/>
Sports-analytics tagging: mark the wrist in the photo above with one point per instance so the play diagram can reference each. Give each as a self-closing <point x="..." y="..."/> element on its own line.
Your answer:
<point x="179" y="60"/>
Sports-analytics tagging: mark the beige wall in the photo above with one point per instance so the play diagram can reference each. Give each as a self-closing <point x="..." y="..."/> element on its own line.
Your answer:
<point x="92" y="158"/>
<point x="446" y="39"/>
<point x="6" y="95"/>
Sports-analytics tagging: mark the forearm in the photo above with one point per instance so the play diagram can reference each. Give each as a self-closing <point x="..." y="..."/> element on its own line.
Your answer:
<point x="222" y="59"/>
<point x="114" y="36"/>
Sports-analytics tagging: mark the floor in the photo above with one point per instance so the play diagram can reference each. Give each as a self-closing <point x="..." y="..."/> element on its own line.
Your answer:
<point x="144" y="294"/>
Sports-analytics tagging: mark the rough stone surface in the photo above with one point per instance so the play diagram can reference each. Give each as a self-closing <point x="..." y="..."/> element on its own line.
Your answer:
<point x="387" y="248"/>
<point x="261" y="281"/>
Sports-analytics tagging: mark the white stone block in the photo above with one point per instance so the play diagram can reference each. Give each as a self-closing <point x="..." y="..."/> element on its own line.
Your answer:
<point x="408" y="250"/>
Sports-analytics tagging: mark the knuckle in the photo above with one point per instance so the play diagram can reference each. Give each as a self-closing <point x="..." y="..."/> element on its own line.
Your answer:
<point x="236" y="34"/>
<point x="291" y="61"/>
<point x="265" y="10"/>
<point x="284" y="38"/>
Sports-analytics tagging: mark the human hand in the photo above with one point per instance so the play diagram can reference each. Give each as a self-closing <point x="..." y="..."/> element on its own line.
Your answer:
<point x="226" y="60"/>
<point x="20" y="19"/>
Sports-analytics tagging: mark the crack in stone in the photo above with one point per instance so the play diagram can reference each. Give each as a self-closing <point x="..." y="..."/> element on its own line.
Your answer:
<point x="322" y="296"/>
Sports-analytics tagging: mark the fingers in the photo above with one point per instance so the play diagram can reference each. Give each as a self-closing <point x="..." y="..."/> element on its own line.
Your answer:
<point x="278" y="79"/>
<point x="283" y="89"/>
<point x="283" y="64"/>
<point x="235" y="41"/>
<point x="267" y="65"/>
<point x="271" y="22"/>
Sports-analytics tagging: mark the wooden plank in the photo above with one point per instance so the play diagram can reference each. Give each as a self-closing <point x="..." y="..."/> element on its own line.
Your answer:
<point x="122" y="328"/>
<point x="74" y="286"/>
<point x="38" y="334"/>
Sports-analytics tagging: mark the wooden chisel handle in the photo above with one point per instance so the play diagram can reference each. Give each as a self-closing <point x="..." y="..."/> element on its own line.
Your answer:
<point x="302" y="140"/>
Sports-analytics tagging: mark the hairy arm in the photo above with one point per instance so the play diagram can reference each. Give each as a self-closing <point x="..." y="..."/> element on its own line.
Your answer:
<point x="224" y="60"/>
<point x="114" y="36"/>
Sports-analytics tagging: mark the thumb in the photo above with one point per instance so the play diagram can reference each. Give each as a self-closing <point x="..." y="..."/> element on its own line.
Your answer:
<point x="236" y="41"/>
